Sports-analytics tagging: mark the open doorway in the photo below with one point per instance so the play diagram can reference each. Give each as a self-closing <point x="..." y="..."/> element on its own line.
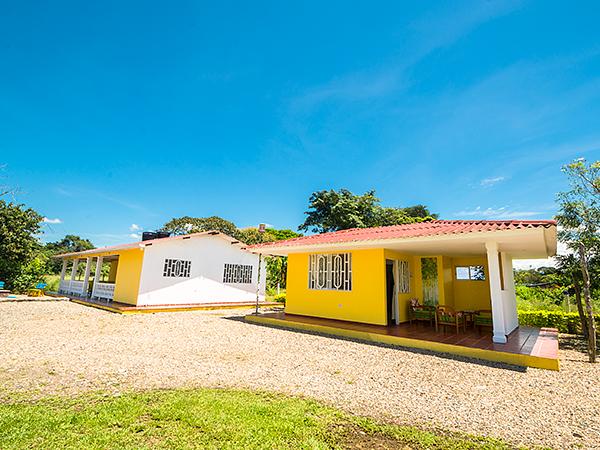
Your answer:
<point x="389" y="284"/>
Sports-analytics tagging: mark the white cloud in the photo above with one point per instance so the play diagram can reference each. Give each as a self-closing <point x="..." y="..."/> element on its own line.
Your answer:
<point x="52" y="221"/>
<point x="135" y="236"/>
<point x="487" y="182"/>
<point x="134" y="227"/>
<point x="496" y="213"/>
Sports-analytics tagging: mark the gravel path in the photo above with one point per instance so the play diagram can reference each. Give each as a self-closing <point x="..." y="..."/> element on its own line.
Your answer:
<point x="65" y="348"/>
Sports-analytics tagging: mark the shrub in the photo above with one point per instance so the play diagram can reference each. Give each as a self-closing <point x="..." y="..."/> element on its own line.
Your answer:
<point x="29" y="275"/>
<point x="279" y="298"/>
<point x="565" y="322"/>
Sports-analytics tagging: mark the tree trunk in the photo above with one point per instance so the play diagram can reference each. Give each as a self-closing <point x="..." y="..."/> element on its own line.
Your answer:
<point x="588" y="306"/>
<point x="582" y="318"/>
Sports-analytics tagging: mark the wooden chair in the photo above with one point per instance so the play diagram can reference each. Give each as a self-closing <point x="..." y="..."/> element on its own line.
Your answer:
<point x="446" y="316"/>
<point x="420" y="312"/>
<point x="483" y="318"/>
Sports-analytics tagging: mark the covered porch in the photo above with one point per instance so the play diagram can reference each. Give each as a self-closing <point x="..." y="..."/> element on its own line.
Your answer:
<point x="92" y="277"/>
<point x="453" y="284"/>
<point x="525" y="346"/>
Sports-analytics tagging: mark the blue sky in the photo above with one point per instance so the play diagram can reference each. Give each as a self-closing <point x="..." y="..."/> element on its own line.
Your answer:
<point x="114" y="114"/>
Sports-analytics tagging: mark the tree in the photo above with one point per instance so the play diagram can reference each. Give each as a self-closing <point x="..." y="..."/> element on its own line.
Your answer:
<point x="340" y="210"/>
<point x="419" y="211"/>
<point x="579" y="217"/>
<point x="18" y="244"/>
<point x="276" y="265"/>
<point x="69" y="244"/>
<point x="188" y="225"/>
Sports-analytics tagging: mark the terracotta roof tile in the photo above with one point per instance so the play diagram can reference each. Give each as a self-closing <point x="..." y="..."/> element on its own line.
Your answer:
<point x="431" y="228"/>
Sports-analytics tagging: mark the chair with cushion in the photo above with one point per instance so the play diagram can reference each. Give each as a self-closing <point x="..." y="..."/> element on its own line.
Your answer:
<point x="446" y="316"/>
<point x="420" y="312"/>
<point x="482" y="318"/>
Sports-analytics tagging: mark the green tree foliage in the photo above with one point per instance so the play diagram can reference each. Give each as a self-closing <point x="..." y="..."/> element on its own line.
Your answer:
<point x="69" y="244"/>
<point x="188" y="225"/>
<point x="276" y="266"/>
<point x="579" y="217"/>
<point x="340" y="210"/>
<point x="18" y="243"/>
<point x="30" y="274"/>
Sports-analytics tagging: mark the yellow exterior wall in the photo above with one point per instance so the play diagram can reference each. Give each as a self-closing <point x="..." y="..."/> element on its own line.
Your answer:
<point x="365" y="303"/>
<point x="129" y="271"/>
<point x="447" y="281"/>
<point x="403" y="299"/>
<point x="471" y="294"/>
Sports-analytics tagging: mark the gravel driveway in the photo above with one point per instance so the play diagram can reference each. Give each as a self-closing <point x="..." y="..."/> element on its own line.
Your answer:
<point x="65" y="348"/>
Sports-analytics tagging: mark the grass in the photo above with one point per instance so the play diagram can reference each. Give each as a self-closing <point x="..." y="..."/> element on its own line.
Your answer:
<point x="205" y="418"/>
<point x="52" y="281"/>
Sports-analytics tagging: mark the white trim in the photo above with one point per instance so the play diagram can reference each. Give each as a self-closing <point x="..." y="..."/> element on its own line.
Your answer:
<point x="378" y="243"/>
<point x="143" y="244"/>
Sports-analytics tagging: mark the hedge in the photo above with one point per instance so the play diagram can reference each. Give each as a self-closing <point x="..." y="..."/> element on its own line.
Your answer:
<point x="565" y="322"/>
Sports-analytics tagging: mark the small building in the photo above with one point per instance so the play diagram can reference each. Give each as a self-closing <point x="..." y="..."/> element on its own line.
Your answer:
<point x="374" y="276"/>
<point x="195" y="269"/>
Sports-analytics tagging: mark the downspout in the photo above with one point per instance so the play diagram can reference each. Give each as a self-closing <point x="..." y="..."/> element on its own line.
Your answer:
<point x="258" y="282"/>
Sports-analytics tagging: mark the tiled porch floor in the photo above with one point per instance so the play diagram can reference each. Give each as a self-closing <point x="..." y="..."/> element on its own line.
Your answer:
<point x="527" y="346"/>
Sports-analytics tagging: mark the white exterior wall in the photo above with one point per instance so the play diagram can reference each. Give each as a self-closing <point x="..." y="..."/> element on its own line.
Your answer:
<point x="207" y="254"/>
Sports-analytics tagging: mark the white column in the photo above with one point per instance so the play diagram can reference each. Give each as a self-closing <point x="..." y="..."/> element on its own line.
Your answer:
<point x="74" y="269"/>
<point x="511" y="318"/>
<point x="63" y="271"/>
<point x="97" y="274"/>
<point x="496" y="292"/>
<point x="86" y="278"/>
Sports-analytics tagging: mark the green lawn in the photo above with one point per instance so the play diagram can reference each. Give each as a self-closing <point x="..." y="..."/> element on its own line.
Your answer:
<point x="204" y="418"/>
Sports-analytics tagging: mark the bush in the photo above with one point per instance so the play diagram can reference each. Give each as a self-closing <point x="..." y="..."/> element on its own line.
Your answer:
<point x="279" y="298"/>
<point x="563" y="321"/>
<point x="29" y="275"/>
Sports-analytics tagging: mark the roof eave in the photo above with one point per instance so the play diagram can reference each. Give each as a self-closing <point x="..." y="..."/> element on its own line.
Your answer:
<point x="377" y="243"/>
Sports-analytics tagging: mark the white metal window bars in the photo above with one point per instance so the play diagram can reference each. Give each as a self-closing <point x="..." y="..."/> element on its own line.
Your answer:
<point x="177" y="268"/>
<point x="237" y="273"/>
<point x="330" y="272"/>
<point x="404" y="281"/>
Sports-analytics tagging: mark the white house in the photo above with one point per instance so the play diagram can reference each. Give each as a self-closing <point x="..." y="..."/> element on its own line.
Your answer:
<point x="201" y="268"/>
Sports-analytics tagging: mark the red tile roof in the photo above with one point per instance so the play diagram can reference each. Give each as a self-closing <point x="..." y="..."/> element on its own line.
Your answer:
<point x="412" y="230"/>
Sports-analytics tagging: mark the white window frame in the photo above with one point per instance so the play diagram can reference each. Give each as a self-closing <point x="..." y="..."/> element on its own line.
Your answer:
<point x="404" y="278"/>
<point x="330" y="272"/>
<point x="470" y="269"/>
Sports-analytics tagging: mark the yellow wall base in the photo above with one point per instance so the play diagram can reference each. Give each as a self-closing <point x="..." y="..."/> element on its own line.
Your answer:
<point x="152" y="310"/>
<point x="486" y="355"/>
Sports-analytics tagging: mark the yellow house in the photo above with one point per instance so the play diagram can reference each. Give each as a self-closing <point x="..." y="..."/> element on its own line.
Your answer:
<point x="370" y="275"/>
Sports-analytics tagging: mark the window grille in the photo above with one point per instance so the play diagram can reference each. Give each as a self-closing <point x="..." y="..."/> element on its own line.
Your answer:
<point x="177" y="268"/>
<point x="404" y="281"/>
<point x="330" y="271"/>
<point x="237" y="273"/>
